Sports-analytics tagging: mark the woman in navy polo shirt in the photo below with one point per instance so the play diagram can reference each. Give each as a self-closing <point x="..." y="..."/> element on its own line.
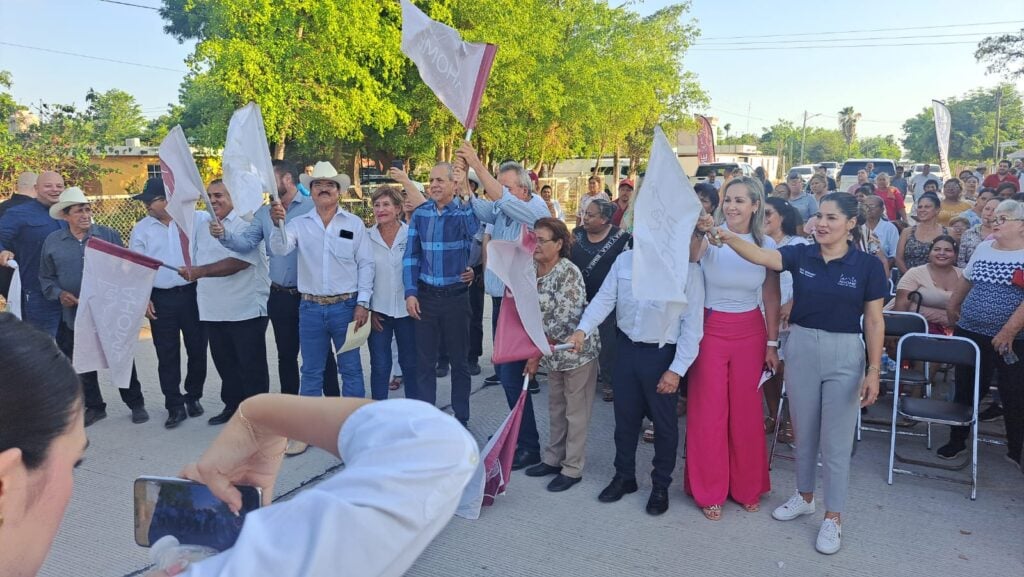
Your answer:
<point x="834" y="283"/>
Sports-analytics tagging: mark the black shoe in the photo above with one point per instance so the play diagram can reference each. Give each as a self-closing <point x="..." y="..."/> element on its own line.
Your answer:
<point x="442" y="371"/>
<point x="93" y="415"/>
<point x="993" y="412"/>
<point x="524" y="459"/>
<point x="223" y="417"/>
<point x="561" y="483"/>
<point x="951" y="450"/>
<point x="465" y="425"/>
<point x="175" y="417"/>
<point x="542" y="469"/>
<point x="139" y="415"/>
<point x="658" y="502"/>
<point x="474" y="368"/>
<point x="194" y="408"/>
<point x="534" y="387"/>
<point x="616" y="489"/>
<point x="492" y="380"/>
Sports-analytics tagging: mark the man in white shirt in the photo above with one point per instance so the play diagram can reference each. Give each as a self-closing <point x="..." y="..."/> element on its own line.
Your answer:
<point x="657" y="342"/>
<point x="917" y="182"/>
<point x="232" y="295"/>
<point x="335" y="275"/>
<point x="173" y="308"/>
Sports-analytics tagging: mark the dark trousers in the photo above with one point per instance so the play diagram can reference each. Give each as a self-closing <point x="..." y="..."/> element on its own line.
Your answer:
<point x="132" y="396"/>
<point x="606" y="358"/>
<point x="444" y="315"/>
<point x="283" y="309"/>
<point x="1009" y="381"/>
<point x="41" y="312"/>
<point x="634" y="382"/>
<point x="177" y="316"/>
<point x="511" y="376"/>
<point x="239" y="352"/>
<point x="476" y="323"/>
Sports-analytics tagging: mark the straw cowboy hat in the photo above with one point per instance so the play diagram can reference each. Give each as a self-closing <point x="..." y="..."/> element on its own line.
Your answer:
<point x="325" y="171"/>
<point x="70" y="197"/>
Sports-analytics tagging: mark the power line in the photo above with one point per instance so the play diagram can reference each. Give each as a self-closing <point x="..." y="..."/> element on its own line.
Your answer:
<point x="698" y="48"/>
<point x="139" y="64"/>
<point x="130" y="4"/>
<point x="900" y="29"/>
<point x="887" y="38"/>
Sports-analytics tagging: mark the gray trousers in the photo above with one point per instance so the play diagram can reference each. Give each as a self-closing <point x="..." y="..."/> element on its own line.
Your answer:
<point x="824" y="373"/>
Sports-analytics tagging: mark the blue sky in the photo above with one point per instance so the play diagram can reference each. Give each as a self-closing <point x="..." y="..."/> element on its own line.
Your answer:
<point x="886" y="84"/>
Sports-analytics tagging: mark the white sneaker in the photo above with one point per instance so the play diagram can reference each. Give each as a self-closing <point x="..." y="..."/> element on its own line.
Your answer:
<point x="828" y="537"/>
<point x="795" y="507"/>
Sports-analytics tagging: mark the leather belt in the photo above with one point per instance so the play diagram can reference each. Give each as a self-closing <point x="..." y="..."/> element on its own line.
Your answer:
<point x="328" y="299"/>
<point x="283" y="289"/>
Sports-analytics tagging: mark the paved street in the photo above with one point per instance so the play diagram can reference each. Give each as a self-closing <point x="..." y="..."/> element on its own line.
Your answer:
<point x="915" y="527"/>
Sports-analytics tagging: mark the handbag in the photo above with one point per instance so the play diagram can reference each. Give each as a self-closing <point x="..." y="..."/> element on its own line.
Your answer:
<point x="511" y="342"/>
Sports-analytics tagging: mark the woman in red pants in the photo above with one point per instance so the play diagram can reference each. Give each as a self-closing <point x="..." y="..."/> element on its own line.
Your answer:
<point x="725" y="447"/>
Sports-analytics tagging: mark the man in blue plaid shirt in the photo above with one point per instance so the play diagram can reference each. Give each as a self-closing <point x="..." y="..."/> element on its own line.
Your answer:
<point x="436" y="294"/>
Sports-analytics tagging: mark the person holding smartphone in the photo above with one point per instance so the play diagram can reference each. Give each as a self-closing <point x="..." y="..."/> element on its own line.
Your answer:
<point x="369" y="518"/>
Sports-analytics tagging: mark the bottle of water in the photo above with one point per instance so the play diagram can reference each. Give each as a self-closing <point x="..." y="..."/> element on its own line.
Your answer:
<point x="892" y="364"/>
<point x="1010" y="357"/>
<point x="168" y="553"/>
<point x="884" y="365"/>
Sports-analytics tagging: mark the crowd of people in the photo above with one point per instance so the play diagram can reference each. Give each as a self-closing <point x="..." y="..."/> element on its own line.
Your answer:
<point x="782" y="287"/>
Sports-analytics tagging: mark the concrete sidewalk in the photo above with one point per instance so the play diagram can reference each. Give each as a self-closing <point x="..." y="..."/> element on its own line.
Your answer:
<point x="914" y="527"/>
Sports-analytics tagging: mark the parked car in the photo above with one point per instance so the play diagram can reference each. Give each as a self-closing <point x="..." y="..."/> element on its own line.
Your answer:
<point x="722" y="168"/>
<point x="935" y="169"/>
<point x="848" y="172"/>
<point x="806" y="171"/>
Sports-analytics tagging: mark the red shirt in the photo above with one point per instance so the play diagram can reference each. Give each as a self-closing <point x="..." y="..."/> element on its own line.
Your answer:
<point x="620" y="211"/>
<point x="994" y="180"/>
<point x="893" y="199"/>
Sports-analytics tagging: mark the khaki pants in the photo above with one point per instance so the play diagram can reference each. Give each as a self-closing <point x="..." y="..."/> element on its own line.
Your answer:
<point x="570" y="400"/>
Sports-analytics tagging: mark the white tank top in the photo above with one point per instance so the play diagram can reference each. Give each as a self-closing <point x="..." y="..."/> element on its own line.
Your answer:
<point x="731" y="284"/>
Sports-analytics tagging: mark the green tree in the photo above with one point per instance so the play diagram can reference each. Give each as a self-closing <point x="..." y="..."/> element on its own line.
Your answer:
<point x="848" y="120"/>
<point x="973" y="122"/>
<point x="7" y="104"/>
<point x="880" y="147"/>
<point x="114" y="115"/>
<point x="1004" y="54"/>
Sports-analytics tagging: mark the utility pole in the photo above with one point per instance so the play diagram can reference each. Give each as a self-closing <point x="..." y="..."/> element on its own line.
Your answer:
<point x="999" y="111"/>
<point x="803" y="137"/>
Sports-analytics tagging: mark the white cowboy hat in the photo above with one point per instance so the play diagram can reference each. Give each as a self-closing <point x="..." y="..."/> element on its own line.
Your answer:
<point x="326" y="171"/>
<point x="70" y="197"/>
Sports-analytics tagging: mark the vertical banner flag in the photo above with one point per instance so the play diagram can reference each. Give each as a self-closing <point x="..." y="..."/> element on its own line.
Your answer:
<point x="248" y="170"/>
<point x="14" y="293"/>
<point x="456" y="71"/>
<point x="116" y="283"/>
<point x="664" y="216"/>
<point x="943" y="123"/>
<point x="182" y="184"/>
<point x="512" y="261"/>
<point x="705" y="141"/>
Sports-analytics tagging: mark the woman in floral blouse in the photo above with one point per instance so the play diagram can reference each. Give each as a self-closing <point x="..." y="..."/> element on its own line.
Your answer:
<point x="572" y="376"/>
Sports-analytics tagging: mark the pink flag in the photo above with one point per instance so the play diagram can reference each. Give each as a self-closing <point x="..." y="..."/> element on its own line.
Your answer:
<point x="182" y="184"/>
<point x="495" y="469"/>
<point x="705" y="141"/>
<point x="520" y="331"/>
<point x="456" y="71"/>
<point x="116" y="283"/>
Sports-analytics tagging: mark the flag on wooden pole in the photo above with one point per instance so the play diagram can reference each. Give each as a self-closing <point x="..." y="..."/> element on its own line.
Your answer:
<point x="455" y="70"/>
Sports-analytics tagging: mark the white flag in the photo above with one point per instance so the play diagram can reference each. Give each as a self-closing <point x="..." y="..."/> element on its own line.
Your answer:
<point x="116" y="283"/>
<point x="512" y="262"/>
<point x="182" y="184"/>
<point x="248" y="170"/>
<point x="664" y="215"/>
<point x="14" y="293"/>
<point x="456" y="71"/>
<point x="943" y="124"/>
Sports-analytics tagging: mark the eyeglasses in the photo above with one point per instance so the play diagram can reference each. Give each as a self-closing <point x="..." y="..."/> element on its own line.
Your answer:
<point x="545" y="240"/>
<point x="1001" y="220"/>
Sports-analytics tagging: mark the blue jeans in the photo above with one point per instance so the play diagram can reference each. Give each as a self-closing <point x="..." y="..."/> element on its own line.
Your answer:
<point x="41" y="313"/>
<point x="404" y="330"/>
<point x="319" y="325"/>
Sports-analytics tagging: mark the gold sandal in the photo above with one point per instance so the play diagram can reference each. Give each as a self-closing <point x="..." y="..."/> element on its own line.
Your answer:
<point x="712" y="513"/>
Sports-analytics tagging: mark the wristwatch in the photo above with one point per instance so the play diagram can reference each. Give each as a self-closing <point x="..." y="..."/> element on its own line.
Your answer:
<point x="363" y="304"/>
<point x="774" y="344"/>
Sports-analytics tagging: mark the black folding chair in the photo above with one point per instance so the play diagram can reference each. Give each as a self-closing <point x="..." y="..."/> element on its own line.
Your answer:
<point x="936" y="349"/>
<point x="898" y="324"/>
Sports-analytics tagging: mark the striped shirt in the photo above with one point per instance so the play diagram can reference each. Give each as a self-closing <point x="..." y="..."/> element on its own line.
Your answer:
<point x="438" y="247"/>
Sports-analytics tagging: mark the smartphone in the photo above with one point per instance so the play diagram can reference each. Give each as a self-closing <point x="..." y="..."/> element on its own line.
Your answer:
<point x="398" y="163"/>
<point x="188" y="511"/>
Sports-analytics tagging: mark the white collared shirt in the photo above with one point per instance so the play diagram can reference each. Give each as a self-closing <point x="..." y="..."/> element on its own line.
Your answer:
<point x="162" y="242"/>
<point x="238" y="297"/>
<point x="333" y="260"/>
<point x="406" y="465"/>
<point x="645" y="321"/>
<point x="388" y="288"/>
